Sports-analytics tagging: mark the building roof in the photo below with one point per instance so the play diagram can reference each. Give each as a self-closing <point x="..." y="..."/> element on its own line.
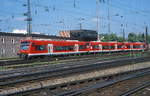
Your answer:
<point x="82" y="30"/>
<point x="33" y="35"/>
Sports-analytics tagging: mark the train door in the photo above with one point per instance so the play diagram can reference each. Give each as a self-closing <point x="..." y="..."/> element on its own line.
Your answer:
<point x="76" y="47"/>
<point x="131" y="47"/>
<point x="50" y="48"/>
<point x="100" y="46"/>
<point x="116" y="46"/>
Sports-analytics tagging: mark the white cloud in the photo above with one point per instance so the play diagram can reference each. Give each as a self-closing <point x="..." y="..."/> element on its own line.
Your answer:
<point x="94" y="19"/>
<point x="36" y="32"/>
<point x="19" y="31"/>
<point x="22" y="31"/>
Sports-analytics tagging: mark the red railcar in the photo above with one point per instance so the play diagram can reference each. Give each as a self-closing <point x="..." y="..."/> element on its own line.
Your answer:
<point x="32" y="48"/>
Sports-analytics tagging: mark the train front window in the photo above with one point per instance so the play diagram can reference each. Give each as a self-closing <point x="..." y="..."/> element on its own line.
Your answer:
<point x="24" y="45"/>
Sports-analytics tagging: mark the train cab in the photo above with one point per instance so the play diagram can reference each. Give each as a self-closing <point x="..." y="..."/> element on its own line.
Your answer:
<point x="24" y="49"/>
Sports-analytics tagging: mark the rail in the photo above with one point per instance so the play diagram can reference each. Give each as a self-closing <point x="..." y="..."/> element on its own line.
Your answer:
<point x="105" y="84"/>
<point x="12" y="80"/>
<point x="134" y="90"/>
<point x="28" y="75"/>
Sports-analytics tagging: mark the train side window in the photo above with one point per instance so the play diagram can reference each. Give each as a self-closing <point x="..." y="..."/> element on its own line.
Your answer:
<point x="82" y="47"/>
<point x="63" y="48"/>
<point x="108" y="47"/>
<point x="119" y="46"/>
<point x="136" y="46"/>
<point x="105" y="47"/>
<point x="95" y="46"/>
<point x="112" y="47"/>
<point x="70" y="48"/>
<point x="40" y="47"/>
<point x="58" y="48"/>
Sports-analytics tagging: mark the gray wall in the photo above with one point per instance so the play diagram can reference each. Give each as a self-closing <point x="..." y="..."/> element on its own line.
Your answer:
<point x="9" y="46"/>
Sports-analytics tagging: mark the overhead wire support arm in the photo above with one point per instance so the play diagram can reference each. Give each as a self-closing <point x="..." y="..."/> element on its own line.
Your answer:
<point x="98" y="17"/>
<point x="109" y="26"/>
<point x="29" y="18"/>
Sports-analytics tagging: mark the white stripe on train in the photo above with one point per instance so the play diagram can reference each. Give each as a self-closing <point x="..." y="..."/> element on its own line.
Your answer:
<point x="64" y="53"/>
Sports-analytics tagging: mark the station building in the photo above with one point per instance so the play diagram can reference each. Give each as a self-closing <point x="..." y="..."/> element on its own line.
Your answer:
<point x="10" y="42"/>
<point x="81" y="35"/>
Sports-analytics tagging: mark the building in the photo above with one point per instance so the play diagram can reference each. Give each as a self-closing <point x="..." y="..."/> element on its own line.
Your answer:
<point x="10" y="42"/>
<point x="81" y="35"/>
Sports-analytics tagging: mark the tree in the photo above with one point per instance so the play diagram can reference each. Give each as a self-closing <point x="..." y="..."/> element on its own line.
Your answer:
<point x="132" y="37"/>
<point x="113" y="37"/>
<point x="106" y="37"/>
<point x="141" y="37"/>
<point x="121" y="39"/>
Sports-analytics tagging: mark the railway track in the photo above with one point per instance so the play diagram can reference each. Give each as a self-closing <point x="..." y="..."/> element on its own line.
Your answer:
<point x="13" y="76"/>
<point x="136" y="89"/>
<point x="91" y="63"/>
<point x="68" y="63"/>
<point x="107" y="83"/>
<point x="50" y="59"/>
<point x="61" y="64"/>
<point x="9" y="79"/>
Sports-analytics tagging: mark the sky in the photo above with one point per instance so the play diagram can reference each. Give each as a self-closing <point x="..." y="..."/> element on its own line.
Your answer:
<point x="51" y="16"/>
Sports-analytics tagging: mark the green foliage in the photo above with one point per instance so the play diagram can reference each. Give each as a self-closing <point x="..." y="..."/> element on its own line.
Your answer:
<point x="141" y="37"/>
<point x="132" y="37"/>
<point x="111" y="37"/>
<point x="121" y="39"/>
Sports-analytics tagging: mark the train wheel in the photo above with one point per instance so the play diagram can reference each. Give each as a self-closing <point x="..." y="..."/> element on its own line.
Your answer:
<point x="23" y="56"/>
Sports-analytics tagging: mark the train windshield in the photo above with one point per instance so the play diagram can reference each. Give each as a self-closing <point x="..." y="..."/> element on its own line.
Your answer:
<point x="24" y="45"/>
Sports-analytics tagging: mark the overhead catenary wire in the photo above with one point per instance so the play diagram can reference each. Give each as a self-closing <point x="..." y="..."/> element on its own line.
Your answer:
<point x="53" y="7"/>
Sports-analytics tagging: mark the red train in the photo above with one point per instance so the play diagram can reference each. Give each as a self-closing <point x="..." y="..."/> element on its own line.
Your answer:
<point x="41" y="48"/>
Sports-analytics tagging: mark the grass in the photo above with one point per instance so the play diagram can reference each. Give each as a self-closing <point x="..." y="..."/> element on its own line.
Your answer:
<point x="9" y="58"/>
